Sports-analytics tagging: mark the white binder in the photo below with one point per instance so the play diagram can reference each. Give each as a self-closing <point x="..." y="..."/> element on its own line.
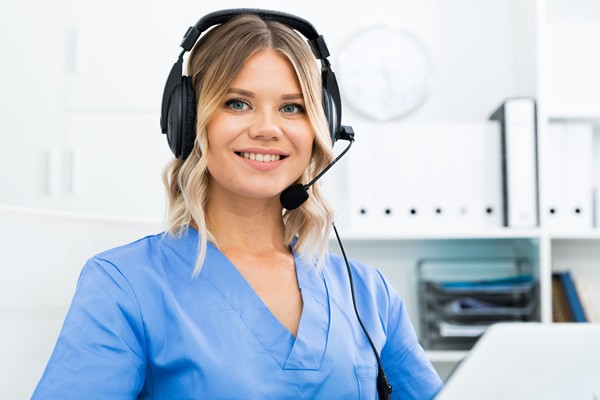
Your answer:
<point x="569" y="183"/>
<point x="577" y="187"/>
<point x="554" y="176"/>
<point x="362" y="180"/>
<point x="519" y="149"/>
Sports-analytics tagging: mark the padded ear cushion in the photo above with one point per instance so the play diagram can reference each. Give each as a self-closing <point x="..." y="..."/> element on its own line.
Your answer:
<point x="174" y="120"/>
<point x="181" y="117"/>
<point x="188" y="127"/>
<point x="331" y="114"/>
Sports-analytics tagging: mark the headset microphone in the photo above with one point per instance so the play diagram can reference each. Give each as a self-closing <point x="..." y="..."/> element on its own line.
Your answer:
<point x="295" y="195"/>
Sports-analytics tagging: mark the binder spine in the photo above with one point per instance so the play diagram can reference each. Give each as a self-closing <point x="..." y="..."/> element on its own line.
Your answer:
<point x="517" y="117"/>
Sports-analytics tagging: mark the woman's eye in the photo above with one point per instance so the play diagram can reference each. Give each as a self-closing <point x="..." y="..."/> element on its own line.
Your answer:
<point x="292" y="109"/>
<point x="237" y="105"/>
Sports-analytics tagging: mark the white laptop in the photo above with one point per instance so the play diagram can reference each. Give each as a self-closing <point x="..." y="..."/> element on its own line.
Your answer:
<point x="530" y="361"/>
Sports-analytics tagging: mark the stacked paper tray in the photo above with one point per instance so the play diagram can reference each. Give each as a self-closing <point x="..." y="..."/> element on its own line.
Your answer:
<point x="454" y="313"/>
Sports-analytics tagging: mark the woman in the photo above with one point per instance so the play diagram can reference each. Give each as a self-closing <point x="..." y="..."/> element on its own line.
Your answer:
<point x="240" y="299"/>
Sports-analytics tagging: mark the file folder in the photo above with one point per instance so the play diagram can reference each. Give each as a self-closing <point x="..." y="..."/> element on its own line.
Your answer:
<point x="517" y="117"/>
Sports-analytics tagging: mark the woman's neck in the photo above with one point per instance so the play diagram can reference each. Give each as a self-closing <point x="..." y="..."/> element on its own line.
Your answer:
<point x="248" y="226"/>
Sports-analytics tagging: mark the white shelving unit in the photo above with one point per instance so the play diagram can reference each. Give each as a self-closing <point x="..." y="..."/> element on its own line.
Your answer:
<point x="570" y="92"/>
<point x="553" y="46"/>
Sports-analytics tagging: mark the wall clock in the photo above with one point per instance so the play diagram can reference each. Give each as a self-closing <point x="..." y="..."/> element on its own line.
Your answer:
<point x="384" y="73"/>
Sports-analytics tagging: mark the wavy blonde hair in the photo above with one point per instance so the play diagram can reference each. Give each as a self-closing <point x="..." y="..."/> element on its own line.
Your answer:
<point x="212" y="65"/>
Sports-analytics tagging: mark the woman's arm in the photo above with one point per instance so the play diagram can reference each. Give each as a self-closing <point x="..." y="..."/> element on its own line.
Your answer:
<point x="100" y="350"/>
<point x="408" y="370"/>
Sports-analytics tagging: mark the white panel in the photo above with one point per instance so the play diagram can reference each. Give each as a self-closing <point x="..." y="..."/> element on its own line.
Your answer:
<point x="572" y="63"/>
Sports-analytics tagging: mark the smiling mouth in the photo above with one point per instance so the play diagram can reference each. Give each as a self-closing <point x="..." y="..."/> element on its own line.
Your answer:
<point x="261" y="157"/>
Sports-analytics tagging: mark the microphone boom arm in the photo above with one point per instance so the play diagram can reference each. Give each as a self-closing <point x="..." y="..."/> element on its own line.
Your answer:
<point x="347" y="134"/>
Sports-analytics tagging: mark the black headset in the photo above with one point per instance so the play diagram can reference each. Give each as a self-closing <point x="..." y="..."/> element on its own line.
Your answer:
<point x="178" y="111"/>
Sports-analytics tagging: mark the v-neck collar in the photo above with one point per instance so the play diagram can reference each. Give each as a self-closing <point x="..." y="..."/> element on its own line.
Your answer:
<point x="307" y="349"/>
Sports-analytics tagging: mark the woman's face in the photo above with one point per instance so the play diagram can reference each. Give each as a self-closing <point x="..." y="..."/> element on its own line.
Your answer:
<point x="260" y="139"/>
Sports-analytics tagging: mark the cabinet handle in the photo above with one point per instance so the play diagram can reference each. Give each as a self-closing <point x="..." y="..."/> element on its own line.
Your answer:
<point x="52" y="172"/>
<point x="72" y="162"/>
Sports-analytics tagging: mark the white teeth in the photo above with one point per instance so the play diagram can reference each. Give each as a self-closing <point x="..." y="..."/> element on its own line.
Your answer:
<point x="262" y="157"/>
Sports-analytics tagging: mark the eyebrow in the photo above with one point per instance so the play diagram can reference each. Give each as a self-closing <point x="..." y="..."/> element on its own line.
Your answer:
<point x="292" y="96"/>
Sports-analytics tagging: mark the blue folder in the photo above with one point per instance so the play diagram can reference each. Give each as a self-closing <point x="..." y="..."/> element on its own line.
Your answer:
<point x="572" y="297"/>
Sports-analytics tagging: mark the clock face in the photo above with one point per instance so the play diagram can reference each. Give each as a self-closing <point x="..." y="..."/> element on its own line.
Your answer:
<point x="384" y="73"/>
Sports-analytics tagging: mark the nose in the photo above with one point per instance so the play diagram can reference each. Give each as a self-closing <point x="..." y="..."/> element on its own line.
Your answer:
<point x="265" y="126"/>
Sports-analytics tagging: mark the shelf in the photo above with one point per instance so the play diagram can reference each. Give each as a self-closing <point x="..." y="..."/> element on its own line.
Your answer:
<point x="589" y="234"/>
<point x="474" y="234"/>
<point x="454" y="234"/>
<point x="579" y="114"/>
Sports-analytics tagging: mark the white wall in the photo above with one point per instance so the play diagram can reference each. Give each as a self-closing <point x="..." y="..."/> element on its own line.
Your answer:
<point x="83" y="82"/>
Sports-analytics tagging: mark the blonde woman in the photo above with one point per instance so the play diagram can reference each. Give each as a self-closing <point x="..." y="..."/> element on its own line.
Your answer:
<point x="239" y="299"/>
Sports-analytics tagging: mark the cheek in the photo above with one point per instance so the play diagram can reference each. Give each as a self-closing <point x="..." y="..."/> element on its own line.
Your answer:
<point x="309" y="152"/>
<point x="302" y="141"/>
<point x="218" y="135"/>
<point x="303" y="137"/>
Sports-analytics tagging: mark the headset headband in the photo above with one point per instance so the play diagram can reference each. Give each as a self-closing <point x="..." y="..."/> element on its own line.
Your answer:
<point x="315" y="41"/>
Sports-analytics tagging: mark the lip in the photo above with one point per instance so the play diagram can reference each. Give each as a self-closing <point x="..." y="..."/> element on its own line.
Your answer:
<point x="262" y="151"/>
<point x="259" y="165"/>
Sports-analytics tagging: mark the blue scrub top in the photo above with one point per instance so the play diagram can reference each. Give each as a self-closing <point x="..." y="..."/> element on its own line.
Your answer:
<point x="141" y="327"/>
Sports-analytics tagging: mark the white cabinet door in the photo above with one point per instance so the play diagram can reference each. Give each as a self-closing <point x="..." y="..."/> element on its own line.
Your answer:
<point x="120" y="52"/>
<point x="31" y="103"/>
<point x="119" y="55"/>
<point x="116" y="161"/>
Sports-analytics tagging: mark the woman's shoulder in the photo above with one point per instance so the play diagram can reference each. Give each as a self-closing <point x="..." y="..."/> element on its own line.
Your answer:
<point x="138" y="249"/>
<point x="142" y="266"/>
<point x="363" y="275"/>
<point x="337" y="263"/>
<point x="161" y="252"/>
